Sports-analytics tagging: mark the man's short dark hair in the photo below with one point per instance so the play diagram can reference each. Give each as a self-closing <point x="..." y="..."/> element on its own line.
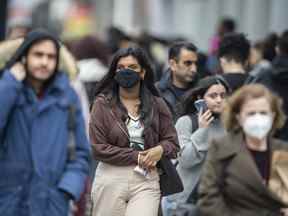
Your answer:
<point x="283" y="43"/>
<point x="176" y="48"/>
<point x="228" y="24"/>
<point x="234" y="46"/>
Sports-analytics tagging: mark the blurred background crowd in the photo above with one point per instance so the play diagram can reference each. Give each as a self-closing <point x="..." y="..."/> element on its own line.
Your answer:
<point x="95" y="29"/>
<point x="153" y="24"/>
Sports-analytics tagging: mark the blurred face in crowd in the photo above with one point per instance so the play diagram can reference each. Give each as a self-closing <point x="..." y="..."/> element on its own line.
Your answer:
<point x="214" y="98"/>
<point x="255" y="56"/>
<point x="41" y="60"/>
<point x="185" y="67"/>
<point x="254" y="106"/>
<point x="256" y="117"/>
<point x="130" y="62"/>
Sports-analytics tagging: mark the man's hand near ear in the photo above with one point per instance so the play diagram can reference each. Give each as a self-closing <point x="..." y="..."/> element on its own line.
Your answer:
<point x="18" y="71"/>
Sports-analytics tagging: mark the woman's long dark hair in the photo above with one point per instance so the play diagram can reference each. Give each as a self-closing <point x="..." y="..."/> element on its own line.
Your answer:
<point x="108" y="83"/>
<point x="186" y="105"/>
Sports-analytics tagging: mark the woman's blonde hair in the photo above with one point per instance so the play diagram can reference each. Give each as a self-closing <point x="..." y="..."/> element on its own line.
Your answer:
<point x="234" y="105"/>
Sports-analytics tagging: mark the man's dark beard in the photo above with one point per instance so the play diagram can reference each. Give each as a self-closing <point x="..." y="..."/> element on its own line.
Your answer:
<point x="31" y="77"/>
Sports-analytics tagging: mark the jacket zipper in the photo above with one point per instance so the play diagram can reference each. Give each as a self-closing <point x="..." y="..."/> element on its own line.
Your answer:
<point x="124" y="131"/>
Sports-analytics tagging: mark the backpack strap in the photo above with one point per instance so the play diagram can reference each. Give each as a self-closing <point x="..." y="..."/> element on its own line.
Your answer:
<point x="193" y="196"/>
<point x="71" y="130"/>
<point x="194" y="122"/>
<point x="250" y="80"/>
<point x="3" y="145"/>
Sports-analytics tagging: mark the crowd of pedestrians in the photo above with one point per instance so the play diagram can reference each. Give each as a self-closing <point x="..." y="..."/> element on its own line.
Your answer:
<point x="118" y="139"/>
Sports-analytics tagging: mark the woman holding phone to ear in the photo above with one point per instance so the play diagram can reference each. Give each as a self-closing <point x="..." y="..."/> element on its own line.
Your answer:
<point x="245" y="172"/>
<point x="199" y="121"/>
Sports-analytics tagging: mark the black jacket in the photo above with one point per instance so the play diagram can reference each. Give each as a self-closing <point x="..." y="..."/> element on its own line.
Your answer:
<point x="279" y="85"/>
<point x="168" y="93"/>
<point x="277" y="81"/>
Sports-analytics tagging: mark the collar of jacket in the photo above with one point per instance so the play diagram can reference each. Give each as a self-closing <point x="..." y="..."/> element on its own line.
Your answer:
<point x="166" y="80"/>
<point x="120" y="111"/>
<point x="231" y="145"/>
<point x="111" y="104"/>
<point x="60" y="83"/>
<point x="56" y="88"/>
<point x="111" y="97"/>
<point x="232" y="142"/>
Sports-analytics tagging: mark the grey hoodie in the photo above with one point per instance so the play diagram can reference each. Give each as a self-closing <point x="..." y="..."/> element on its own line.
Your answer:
<point x="194" y="147"/>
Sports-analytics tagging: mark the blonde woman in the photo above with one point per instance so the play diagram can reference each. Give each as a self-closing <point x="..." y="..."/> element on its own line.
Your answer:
<point x="236" y="178"/>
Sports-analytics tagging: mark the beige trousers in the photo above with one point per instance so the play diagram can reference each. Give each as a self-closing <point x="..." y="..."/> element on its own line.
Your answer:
<point x="120" y="191"/>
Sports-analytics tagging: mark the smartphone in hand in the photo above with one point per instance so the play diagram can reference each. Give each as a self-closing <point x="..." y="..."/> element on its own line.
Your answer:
<point x="201" y="105"/>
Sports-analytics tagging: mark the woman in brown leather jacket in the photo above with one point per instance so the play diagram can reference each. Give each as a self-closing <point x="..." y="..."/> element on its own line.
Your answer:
<point x="130" y="130"/>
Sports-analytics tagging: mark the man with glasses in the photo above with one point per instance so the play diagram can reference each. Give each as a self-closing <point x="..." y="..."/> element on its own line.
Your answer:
<point x="181" y="75"/>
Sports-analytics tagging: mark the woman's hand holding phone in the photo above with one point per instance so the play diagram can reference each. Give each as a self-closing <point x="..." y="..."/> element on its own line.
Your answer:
<point x="18" y="71"/>
<point x="205" y="116"/>
<point x="205" y="119"/>
<point x="149" y="158"/>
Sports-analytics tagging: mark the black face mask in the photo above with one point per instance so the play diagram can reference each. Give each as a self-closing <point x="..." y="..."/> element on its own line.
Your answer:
<point x="127" y="78"/>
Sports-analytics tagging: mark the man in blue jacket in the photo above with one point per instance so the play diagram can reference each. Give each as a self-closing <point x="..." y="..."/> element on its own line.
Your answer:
<point x="43" y="161"/>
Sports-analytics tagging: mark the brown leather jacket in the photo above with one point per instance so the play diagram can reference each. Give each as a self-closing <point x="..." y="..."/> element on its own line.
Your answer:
<point x="110" y="139"/>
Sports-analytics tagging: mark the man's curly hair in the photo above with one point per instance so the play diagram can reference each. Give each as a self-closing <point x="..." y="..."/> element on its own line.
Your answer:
<point x="234" y="46"/>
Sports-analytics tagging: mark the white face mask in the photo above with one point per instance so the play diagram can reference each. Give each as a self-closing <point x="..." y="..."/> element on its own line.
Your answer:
<point x="258" y="125"/>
